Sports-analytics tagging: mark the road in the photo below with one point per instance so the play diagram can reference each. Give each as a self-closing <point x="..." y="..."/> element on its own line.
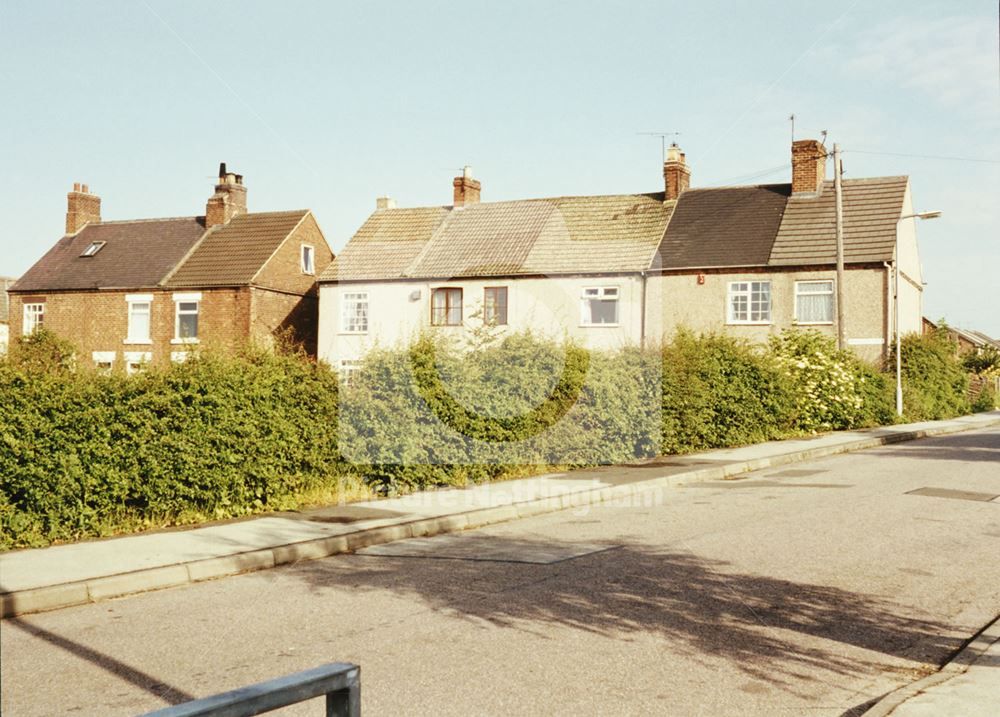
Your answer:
<point x="811" y="590"/>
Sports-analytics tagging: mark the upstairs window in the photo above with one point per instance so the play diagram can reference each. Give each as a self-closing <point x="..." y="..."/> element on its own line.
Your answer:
<point x="749" y="302"/>
<point x="814" y="302"/>
<point x="34" y="317"/>
<point x="446" y="307"/>
<point x="495" y="305"/>
<point x="93" y="248"/>
<point x="354" y="312"/>
<point x="139" y="312"/>
<point x="308" y="263"/>
<point x="186" y="311"/>
<point x="599" y="306"/>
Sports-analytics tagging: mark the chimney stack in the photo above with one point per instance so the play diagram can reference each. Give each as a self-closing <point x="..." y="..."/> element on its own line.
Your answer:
<point x="676" y="173"/>
<point x="230" y="198"/>
<point x="385" y="203"/>
<point x="82" y="208"/>
<point x="466" y="188"/>
<point x="808" y="167"/>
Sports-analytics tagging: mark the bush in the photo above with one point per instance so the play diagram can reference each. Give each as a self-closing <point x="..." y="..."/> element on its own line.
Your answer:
<point x="934" y="384"/>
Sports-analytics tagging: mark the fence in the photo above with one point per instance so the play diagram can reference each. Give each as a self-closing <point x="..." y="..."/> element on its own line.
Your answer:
<point x="339" y="681"/>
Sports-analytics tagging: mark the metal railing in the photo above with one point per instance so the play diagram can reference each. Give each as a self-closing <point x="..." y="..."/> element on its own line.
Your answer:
<point x="339" y="681"/>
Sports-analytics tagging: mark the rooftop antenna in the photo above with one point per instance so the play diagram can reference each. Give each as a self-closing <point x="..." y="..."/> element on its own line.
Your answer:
<point x="791" y="118"/>
<point x="663" y="140"/>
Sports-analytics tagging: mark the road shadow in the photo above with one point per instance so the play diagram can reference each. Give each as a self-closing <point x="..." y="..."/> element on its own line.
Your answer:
<point x="142" y="680"/>
<point x="770" y="628"/>
<point x="962" y="447"/>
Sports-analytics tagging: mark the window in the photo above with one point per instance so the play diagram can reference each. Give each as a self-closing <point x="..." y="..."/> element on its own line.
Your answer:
<point x="103" y="360"/>
<point x="95" y="246"/>
<point x="354" y="312"/>
<point x="139" y="311"/>
<point x="308" y="265"/>
<point x="814" y="302"/>
<point x="599" y="306"/>
<point x="34" y="317"/>
<point x="135" y="361"/>
<point x="349" y="369"/>
<point x="186" y="318"/>
<point x="749" y="302"/>
<point x="446" y="307"/>
<point x="495" y="305"/>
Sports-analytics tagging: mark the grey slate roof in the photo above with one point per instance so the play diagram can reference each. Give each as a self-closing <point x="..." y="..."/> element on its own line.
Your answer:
<point x="871" y="209"/>
<point x="137" y="254"/>
<point x="729" y="226"/>
<point x="232" y="254"/>
<point x="559" y="235"/>
<point x="148" y="253"/>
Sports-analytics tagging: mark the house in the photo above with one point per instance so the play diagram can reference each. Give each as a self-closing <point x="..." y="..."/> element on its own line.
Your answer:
<point x="142" y="291"/>
<point x="630" y="269"/>
<point x="5" y="283"/>
<point x="966" y="341"/>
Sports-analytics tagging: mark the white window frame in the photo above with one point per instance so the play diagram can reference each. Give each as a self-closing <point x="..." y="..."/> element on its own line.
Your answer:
<point x="135" y="361"/>
<point x="99" y="357"/>
<point x="33" y="315"/>
<point x="93" y="248"/>
<point x="186" y="298"/>
<point x="307" y="258"/>
<point x="833" y="308"/>
<point x="179" y="356"/>
<point x="134" y="300"/>
<point x="349" y="368"/>
<point x="345" y="319"/>
<point x="600" y="293"/>
<point x="748" y="293"/>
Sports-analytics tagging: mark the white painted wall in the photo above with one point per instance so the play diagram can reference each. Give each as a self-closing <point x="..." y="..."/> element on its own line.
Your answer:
<point x="911" y="279"/>
<point x="551" y="306"/>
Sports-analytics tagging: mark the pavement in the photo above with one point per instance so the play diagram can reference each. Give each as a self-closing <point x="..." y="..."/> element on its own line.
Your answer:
<point x="816" y="588"/>
<point x="36" y="580"/>
<point x="968" y="685"/>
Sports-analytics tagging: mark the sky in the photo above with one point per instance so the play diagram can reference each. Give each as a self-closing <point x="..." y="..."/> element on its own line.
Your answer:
<point x="328" y="105"/>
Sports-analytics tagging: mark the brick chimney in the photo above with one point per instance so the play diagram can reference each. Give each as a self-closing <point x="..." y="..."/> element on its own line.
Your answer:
<point x="808" y="167"/>
<point x="82" y="208"/>
<point x="230" y="198"/>
<point x="676" y="173"/>
<point x="466" y="188"/>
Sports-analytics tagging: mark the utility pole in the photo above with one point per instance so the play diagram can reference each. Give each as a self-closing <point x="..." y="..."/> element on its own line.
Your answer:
<point x="837" y="171"/>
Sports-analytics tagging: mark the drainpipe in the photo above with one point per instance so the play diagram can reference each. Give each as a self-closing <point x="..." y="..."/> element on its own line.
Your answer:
<point x="888" y="308"/>
<point x="642" y="308"/>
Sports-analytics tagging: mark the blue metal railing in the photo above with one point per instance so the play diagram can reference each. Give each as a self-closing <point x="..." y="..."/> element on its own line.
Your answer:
<point x="339" y="681"/>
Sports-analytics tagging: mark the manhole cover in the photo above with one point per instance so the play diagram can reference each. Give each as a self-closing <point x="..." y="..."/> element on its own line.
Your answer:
<point x="489" y="549"/>
<point x="952" y="493"/>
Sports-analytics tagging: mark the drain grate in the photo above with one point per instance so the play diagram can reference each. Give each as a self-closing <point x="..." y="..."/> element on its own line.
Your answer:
<point x="952" y="493"/>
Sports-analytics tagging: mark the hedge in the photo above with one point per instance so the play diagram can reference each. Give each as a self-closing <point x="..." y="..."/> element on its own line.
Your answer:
<point x="84" y="454"/>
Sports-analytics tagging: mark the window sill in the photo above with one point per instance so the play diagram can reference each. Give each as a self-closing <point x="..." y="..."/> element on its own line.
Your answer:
<point x="177" y="342"/>
<point x="600" y="326"/>
<point x="748" y="323"/>
<point x="130" y="342"/>
<point x="812" y="323"/>
<point x="352" y="333"/>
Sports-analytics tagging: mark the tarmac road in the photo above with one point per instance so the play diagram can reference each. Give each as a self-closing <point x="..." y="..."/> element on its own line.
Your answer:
<point x="811" y="590"/>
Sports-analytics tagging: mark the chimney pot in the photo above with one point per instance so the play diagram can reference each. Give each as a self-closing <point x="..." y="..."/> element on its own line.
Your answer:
<point x="84" y="188"/>
<point x="76" y="186"/>
<point x="676" y="173"/>
<point x="385" y="203"/>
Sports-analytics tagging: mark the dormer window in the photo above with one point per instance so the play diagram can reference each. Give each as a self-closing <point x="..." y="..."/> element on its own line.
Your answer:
<point x="95" y="246"/>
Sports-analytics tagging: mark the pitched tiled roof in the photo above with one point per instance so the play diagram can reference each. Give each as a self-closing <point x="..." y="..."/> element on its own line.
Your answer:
<point x="729" y="226"/>
<point x="232" y="254"/>
<point x="871" y="209"/>
<point x="560" y="235"/>
<point x="136" y="254"/>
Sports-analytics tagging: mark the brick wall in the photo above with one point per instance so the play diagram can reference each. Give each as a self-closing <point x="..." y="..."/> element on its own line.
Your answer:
<point x="283" y="271"/>
<point x="273" y="312"/>
<point x="98" y="320"/>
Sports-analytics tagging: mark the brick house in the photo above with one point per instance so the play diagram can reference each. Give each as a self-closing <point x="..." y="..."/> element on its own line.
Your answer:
<point x="142" y="291"/>
<point x="631" y="269"/>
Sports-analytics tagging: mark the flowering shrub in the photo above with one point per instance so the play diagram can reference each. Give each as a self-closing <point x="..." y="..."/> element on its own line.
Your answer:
<point x="831" y="391"/>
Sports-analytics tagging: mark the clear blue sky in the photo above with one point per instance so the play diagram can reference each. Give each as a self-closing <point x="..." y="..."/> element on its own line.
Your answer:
<point x="327" y="105"/>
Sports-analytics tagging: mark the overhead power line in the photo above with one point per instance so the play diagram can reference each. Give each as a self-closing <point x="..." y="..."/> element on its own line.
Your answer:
<point x="926" y="156"/>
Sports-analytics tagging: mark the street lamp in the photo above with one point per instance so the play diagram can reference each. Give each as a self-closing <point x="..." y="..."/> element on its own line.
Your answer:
<point x="895" y="305"/>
